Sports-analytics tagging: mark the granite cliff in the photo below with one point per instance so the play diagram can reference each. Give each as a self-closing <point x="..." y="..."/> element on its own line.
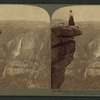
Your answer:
<point x="62" y="51"/>
<point x="24" y="54"/>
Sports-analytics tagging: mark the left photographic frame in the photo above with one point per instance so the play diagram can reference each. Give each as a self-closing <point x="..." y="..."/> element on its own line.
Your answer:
<point x="24" y="47"/>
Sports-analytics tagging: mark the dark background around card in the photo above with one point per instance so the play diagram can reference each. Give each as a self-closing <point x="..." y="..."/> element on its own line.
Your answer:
<point x="49" y="98"/>
<point x="48" y="2"/>
<point x="51" y="1"/>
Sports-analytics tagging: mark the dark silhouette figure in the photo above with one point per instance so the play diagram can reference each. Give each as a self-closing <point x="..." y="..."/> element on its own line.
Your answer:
<point x="71" y="19"/>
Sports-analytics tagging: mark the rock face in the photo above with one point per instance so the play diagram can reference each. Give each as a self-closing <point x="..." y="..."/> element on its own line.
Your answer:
<point x="63" y="48"/>
<point x="93" y="67"/>
<point x="24" y="56"/>
<point x="27" y="57"/>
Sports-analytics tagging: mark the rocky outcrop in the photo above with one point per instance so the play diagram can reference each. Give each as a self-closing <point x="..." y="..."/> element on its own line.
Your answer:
<point x="63" y="48"/>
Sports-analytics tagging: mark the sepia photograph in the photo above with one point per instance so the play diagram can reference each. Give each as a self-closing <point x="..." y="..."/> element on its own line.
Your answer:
<point x="75" y="48"/>
<point x="24" y="47"/>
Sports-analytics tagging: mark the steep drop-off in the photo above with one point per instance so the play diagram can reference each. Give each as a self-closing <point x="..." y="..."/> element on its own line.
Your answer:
<point x="62" y="51"/>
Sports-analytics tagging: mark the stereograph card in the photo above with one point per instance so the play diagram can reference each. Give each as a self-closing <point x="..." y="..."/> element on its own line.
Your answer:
<point x="49" y="50"/>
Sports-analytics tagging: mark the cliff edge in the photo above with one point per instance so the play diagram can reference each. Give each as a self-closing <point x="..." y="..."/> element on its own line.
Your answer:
<point x="62" y="51"/>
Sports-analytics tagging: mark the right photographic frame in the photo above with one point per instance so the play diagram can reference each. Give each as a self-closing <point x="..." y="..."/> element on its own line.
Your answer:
<point x="75" y="48"/>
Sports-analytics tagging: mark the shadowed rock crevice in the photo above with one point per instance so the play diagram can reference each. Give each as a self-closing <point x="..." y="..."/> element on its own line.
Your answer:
<point x="62" y="51"/>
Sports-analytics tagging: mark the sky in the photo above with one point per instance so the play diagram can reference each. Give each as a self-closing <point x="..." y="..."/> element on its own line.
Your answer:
<point x="23" y="12"/>
<point x="80" y="13"/>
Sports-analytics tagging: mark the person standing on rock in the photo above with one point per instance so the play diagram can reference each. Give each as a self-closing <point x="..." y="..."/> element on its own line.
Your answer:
<point x="71" y="19"/>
